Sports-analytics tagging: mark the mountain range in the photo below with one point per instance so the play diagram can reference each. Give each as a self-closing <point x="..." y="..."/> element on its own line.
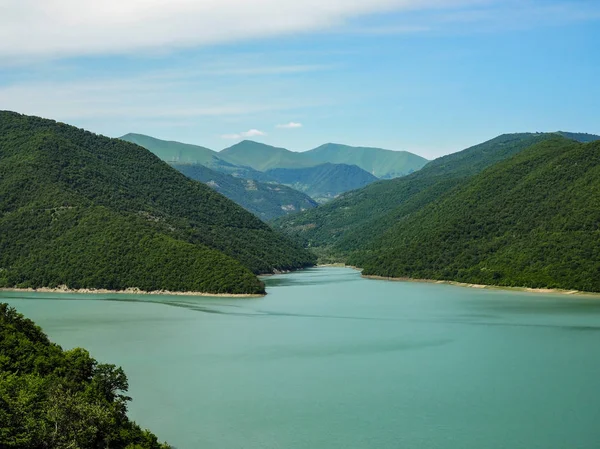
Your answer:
<point x="87" y="211"/>
<point x="454" y="218"/>
<point x="266" y="200"/>
<point x="323" y="173"/>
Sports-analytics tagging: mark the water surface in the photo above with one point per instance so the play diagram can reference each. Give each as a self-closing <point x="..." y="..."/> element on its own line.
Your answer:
<point x="330" y="360"/>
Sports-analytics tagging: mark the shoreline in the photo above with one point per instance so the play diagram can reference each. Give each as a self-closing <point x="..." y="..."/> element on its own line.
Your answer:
<point x="128" y="291"/>
<point x="554" y="291"/>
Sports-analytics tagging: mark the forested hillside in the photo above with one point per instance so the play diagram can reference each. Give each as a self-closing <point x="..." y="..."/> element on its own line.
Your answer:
<point x="266" y="200"/>
<point x="86" y="211"/>
<point x="50" y="398"/>
<point x="532" y="220"/>
<point x="349" y="222"/>
<point x="323" y="182"/>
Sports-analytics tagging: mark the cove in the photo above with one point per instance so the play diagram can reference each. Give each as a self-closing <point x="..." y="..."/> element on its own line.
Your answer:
<point x="331" y="360"/>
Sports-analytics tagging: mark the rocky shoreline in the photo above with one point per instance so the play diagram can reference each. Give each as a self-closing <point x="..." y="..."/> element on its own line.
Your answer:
<point x="128" y="291"/>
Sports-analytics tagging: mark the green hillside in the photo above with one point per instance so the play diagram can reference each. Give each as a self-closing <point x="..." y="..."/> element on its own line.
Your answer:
<point x="262" y="157"/>
<point x="380" y="163"/>
<point x="384" y="164"/>
<point x="86" y="211"/>
<point x="348" y="222"/>
<point x="323" y="182"/>
<point x="176" y="152"/>
<point x="266" y="200"/>
<point x="532" y="220"/>
<point x="580" y="137"/>
<point x="50" y="398"/>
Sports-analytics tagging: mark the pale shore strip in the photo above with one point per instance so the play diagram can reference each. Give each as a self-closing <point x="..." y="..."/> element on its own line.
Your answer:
<point x="129" y="291"/>
<point x="487" y="287"/>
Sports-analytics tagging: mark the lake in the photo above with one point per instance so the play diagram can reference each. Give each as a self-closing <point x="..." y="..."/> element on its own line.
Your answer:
<point x="330" y="360"/>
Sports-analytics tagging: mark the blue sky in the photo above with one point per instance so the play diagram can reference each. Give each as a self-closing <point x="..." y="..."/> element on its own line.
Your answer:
<point x="428" y="76"/>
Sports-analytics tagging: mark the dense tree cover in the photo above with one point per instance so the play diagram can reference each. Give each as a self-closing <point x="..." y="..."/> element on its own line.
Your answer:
<point x="532" y="220"/>
<point x="266" y="200"/>
<point x="349" y="222"/>
<point x="88" y="211"/>
<point x="55" y="399"/>
<point x="384" y="164"/>
<point x="323" y="182"/>
<point x="580" y="137"/>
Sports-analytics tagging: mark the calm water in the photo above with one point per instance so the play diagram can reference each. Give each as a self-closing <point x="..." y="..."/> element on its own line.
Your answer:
<point x="329" y="360"/>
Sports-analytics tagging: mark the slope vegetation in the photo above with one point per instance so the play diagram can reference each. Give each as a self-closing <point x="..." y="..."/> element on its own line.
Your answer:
<point x="86" y="211"/>
<point x="349" y="222"/>
<point x="266" y="200"/>
<point x="323" y="182"/>
<point x="532" y="220"/>
<point x="50" y="398"/>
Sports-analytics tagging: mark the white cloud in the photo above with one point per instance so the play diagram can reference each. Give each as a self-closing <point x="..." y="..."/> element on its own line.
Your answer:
<point x="244" y="135"/>
<point x="290" y="125"/>
<point x="62" y="28"/>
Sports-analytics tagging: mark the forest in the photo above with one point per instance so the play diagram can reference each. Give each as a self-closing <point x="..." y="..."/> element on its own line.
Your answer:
<point x="87" y="211"/>
<point x="56" y="399"/>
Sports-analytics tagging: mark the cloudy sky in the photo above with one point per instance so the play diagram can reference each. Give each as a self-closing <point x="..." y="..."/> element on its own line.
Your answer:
<point x="428" y="76"/>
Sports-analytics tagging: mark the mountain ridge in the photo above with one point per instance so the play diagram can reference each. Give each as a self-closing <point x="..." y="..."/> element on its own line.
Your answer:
<point x="531" y="220"/>
<point x="87" y="211"/>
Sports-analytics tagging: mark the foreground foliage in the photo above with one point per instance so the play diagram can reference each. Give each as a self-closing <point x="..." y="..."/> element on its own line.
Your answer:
<point x="50" y="398"/>
<point x="86" y="211"/>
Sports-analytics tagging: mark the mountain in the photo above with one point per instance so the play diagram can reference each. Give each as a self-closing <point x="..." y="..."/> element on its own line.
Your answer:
<point x="53" y="398"/>
<point x="579" y="137"/>
<point x="176" y="152"/>
<point x="532" y="220"/>
<point x="262" y="157"/>
<point x="87" y="211"/>
<point x="349" y="223"/>
<point x="327" y="171"/>
<point x="323" y="182"/>
<point x="265" y="200"/>
<point x="380" y="163"/>
<point x="384" y="164"/>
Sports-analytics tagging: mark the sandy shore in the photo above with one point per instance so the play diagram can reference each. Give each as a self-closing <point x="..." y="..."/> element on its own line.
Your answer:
<point x="129" y="291"/>
<point x="489" y="287"/>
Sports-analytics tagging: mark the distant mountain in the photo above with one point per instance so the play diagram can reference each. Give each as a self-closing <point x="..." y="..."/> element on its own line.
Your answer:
<point x="176" y="152"/>
<point x="580" y="137"/>
<point x="532" y="220"/>
<point x="262" y="157"/>
<point x="384" y="164"/>
<point x="351" y="221"/>
<point x="327" y="171"/>
<point x="380" y="163"/>
<point x="323" y="182"/>
<point x="266" y="200"/>
<point x="86" y="211"/>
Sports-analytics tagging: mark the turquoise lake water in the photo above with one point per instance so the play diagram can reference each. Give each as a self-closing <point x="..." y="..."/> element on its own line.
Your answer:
<point x="329" y="360"/>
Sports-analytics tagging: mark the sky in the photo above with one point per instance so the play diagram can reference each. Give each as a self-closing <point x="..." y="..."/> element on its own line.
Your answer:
<point x="427" y="76"/>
